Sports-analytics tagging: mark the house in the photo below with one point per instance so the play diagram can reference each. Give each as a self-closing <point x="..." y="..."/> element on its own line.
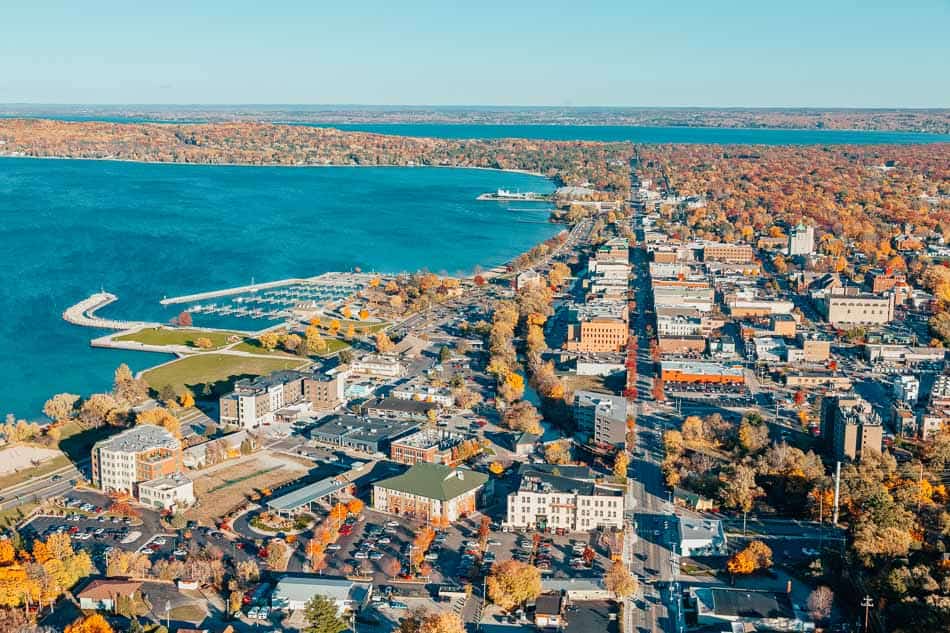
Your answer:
<point x="524" y="443"/>
<point x="700" y="537"/>
<point x="548" y="609"/>
<point x="102" y="593"/>
<point x="379" y="365"/>
<point x="293" y="593"/>
<point x="691" y="500"/>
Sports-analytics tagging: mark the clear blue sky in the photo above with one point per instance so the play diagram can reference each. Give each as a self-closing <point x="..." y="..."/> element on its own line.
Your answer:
<point x="582" y="52"/>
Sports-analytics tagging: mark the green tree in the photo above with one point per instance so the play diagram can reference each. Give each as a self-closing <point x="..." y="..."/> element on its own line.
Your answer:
<point x="445" y="354"/>
<point x="322" y="616"/>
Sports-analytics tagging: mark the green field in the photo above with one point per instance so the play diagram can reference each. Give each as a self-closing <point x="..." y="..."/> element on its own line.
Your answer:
<point x="251" y="346"/>
<point x="176" y="336"/>
<point x="219" y="370"/>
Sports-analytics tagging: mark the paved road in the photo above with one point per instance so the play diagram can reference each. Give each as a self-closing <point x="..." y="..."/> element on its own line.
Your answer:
<point x="49" y="485"/>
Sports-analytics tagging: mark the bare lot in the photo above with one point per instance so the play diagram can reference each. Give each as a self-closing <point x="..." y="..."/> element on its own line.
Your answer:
<point x="223" y="488"/>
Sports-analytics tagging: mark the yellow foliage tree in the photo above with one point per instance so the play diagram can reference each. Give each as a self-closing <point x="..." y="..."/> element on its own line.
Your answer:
<point x="94" y="623"/>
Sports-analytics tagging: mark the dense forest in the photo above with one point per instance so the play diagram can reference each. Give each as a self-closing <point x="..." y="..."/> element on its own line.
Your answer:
<point x="568" y="162"/>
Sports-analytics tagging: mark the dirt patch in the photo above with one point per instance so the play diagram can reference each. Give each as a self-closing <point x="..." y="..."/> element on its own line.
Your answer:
<point x="16" y="458"/>
<point x="225" y="488"/>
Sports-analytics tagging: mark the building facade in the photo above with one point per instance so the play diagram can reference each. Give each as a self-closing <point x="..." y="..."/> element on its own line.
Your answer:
<point x="545" y="500"/>
<point x="136" y="455"/>
<point x="602" y="416"/>
<point x="254" y="401"/>
<point x="801" y="240"/>
<point x="430" y="492"/>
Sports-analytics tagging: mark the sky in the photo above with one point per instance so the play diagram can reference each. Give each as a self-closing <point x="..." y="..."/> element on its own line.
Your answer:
<point x="827" y="53"/>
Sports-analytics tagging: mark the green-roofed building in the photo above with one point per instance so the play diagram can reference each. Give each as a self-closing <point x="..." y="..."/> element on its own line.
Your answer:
<point x="431" y="492"/>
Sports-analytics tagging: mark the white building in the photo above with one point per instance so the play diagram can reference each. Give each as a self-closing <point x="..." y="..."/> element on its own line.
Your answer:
<point x="424" y="393"/>
<point x="174" y="491"/>
<point x="380" y="365"/>
<point x="801" y="240"/>
<point x="907" y="389"/>
<point x="550" y="497"/>
<point x="678" y="325"/>
<point x="700" y="537"/>
<point x="141" y="453"/>
<point x="293" y="593"/>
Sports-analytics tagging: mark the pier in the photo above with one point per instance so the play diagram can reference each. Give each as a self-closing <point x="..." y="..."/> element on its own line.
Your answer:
<point x="324" y="279"/>
<point x="84" y="314"/>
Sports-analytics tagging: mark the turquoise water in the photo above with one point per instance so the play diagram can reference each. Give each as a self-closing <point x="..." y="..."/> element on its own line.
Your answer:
<point x="639" y="134"/>
<point x="71" y="227"/>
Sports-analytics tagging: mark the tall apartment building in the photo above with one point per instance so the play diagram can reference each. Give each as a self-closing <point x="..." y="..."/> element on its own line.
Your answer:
<point x="323" y="391"/>
<point x="603" y="416"/>
<point x="907" y="389"/>
<point x="254" y="401"/>
<point x="801" y="240"/>
<point x="142" y="453"/>
<point x="729" y="253"/>
<point x="852" y="427"/>
<point x="555" y="497"/>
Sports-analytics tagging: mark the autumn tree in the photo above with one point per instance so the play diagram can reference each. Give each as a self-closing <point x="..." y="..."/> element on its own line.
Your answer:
<point x="820" y="602"/>
<point x="127" y="389"/>
<point x="522" y="416"/>
<point x="162" y="417"/>
<point x="620" y="581"/>
<point x="322" y="616"/>
<point x="60" y="407"/>
<point x="269" y="340"/>
<point x="383" y="344"/>
<point x="94" y="623"/>
<point x="557" y="453"/>
<point x="513" y="583"/>
<point x="621" y="464"/>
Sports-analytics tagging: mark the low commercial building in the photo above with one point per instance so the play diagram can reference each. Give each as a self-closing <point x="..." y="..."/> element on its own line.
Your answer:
<point x="434" y="492"/>
<point x="763" y="610"/>
<point x="679" y="325"/>
<point x="434" y="446"/>
<point x="814" y="379"/>
<point x="549" y="498"/>
<point x="903" y="354"/>
<point x="293" y="593"/>
<point x="168" y="493"/>
<point x="548" y="611"/>
<point x="700" y="537"/>
<point x="676" y="345"/>
<point x="601" y="416"/>
<point x="783" y="324"/>
<point x="424" y="393"/>
<point x="730" y="253"/>
<point x="754" y="308"/>
<point x="379" y="365"/>
<point x="368" y="435"/>
<point x="399" y="409"/>
<point x="302" y="499"/>
<point x="699" y="372"/>
<point x="816" y="348"/>
<point x="138" y="454"/>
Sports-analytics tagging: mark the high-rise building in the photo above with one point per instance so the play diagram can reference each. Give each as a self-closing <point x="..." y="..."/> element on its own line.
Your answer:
<point x="801" y="240"/>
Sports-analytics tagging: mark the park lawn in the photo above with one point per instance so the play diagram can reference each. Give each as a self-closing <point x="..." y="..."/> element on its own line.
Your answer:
<point x="334" y="345"/>
<point x="218" y="370"/>
<point x="251" y="346"/>
<point x="176" y="336"/>
<point x="186" y="613"/>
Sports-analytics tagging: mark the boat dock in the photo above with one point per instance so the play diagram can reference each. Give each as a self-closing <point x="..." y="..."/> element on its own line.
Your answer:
<point x="84" y="313"/>
<point x="326" y="279"/>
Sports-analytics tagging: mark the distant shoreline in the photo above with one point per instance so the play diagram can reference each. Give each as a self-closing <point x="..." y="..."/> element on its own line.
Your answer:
<point x="193" y="164"/>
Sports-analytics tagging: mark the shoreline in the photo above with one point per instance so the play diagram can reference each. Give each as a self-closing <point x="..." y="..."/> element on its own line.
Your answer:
<point x="523" y="172"/>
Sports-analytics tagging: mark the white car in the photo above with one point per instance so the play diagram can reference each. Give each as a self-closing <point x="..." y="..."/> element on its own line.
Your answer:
<point x="159" y="540"/>
<point x="392" y="524"/>
<point x="333" y="547"/>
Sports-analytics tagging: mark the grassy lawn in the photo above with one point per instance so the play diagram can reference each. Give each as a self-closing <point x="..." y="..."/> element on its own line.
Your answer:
<point x="220" y="370"/>
<point x="76" y="441"/>
<point x="334" y="345"/>
<point x="9" y="518"/>
<point x="26" y="474"/>
<point x="251" y="346"/>
<point x="185" y="613"/>
<point x="176" y="336"/>
<point x="360" y="326"/>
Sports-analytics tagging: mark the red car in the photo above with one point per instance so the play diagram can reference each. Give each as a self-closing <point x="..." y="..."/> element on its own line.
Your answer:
<point x="346" y="530"/>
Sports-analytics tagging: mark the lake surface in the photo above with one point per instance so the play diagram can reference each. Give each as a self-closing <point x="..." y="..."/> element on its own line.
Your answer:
<point x="144" y="231"/>
<point x="654" y="135"/>
<point x="603" y="133"/>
